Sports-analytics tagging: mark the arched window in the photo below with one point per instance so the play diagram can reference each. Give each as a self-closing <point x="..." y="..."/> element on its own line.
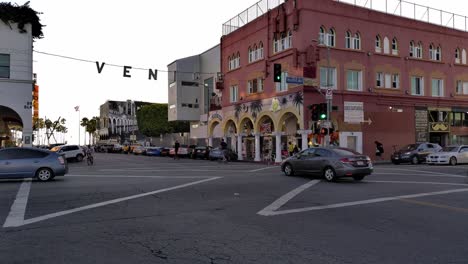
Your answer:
<point x="331" y="37"/>
<point x="255" y="53"/>
<point x="348" y="40"/>
<point x="276" y="44"/>
<point x="457" y="55"/>
<point x="395" y="46"/>
<point x="357" y="41"/>
<point x="432" y="52"/>
<point x="260" y="48"/>
<point x="322" y="35"/>
<point x="386" y="45"/>
<point x="250" y="55"/>
<point x="419" y="51"/>
<point x="463" y="56"/>
<point x="438" y="54"/>
<point x="412" y="49"/>
<point x="238" y="60"/>
<point x="378" y="44"/>
<point x="289" y="40"/>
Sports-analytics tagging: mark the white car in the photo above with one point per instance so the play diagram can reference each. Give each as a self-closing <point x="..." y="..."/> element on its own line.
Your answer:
<point x="452" y="155"/>
<point x="70" y="152"/>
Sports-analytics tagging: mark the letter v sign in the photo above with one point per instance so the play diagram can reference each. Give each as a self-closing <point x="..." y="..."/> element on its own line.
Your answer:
<point x="100" y="67"/>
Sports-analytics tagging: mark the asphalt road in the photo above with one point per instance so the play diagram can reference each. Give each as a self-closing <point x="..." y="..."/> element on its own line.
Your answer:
<point x="136" y="209"/>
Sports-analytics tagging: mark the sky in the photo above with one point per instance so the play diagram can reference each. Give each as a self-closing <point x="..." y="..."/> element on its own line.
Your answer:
<point x="138" y="33"/>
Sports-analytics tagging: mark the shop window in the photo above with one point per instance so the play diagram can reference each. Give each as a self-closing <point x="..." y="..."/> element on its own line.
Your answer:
<point x="5" y="66"/>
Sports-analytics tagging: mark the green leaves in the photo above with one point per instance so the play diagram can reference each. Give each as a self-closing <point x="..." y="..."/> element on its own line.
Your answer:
<point x="152" y="121"/>
<point x="21" y="15"/>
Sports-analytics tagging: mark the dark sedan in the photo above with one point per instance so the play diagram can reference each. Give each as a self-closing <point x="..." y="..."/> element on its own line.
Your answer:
<point x="331" y="163"/>
<point x="201" y="152"/>
<point x="217" y="154"/>
<point x="31" y="162"/>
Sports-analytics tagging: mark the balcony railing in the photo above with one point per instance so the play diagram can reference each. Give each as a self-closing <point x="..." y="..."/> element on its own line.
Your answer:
<point x="250" y="14"/>
<point x="413" y="11"/>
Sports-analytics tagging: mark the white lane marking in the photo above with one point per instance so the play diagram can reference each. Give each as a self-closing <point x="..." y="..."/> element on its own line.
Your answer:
<point x="416" y="182"/>
<point x="91" y="206"/>
<point x="137" y="176"/>
<point x="285" y="198"/>
<point x="171" y="170"/>
<point x="420" y="175"/>
<point x="266" y="168"/>
<point x="370" y="201"/>
<point x="18" y="208"/>
<point x="430" y="172"/>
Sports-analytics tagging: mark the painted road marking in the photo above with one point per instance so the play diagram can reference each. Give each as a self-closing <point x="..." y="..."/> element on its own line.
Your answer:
<point x="430" y="172"/>
<point x="265" y="168"/>
<point x="272" y="209"/>
<point x="18" y="208"/>
<point x="137" y="176"/>
<point x="442" y="206"/>
<point x="420" y="175"/>
<point x="19" y="205"/>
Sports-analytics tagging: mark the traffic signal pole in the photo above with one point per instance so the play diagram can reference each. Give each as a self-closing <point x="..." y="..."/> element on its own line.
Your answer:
<point x="329" y="101"/>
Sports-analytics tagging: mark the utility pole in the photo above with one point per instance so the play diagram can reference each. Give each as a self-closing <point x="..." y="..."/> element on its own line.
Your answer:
<point x="329" y="101"/>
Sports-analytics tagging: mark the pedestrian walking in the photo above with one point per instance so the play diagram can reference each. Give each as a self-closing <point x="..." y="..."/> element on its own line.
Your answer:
<point x="224" y="150"/>
<point x="379" y="150"/>
<point x="176" y="149"/>
<point x="290" y="148"/>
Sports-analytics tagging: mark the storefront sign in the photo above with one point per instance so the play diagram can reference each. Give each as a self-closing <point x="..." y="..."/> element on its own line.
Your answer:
<point x="422" y="122"/>
<point x="353" y="112"/>
<point x="35" y="102"/>
<point x="439" y="127"/>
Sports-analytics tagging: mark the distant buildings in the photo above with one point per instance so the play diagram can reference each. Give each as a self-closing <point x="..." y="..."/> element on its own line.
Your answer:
<point x="16" y="83"/>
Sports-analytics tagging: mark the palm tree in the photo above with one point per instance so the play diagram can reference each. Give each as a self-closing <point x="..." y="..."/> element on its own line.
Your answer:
<point x="84" y="123"/>
<point x="256" y="107"/>
<point x="298" y="100"/>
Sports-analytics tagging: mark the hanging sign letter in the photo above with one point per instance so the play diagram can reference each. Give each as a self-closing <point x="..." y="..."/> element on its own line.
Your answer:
<point x="126" y="72"/>
<point x="100" y="67"/>
<point x="152" y="74"/>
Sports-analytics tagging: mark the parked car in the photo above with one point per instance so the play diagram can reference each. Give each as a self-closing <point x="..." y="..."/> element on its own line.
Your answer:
<point x="201" y="152"/>
<point x="31" y="162"/>
<point x="153" y="151"/>
<point x="183" y="151"/>
<point x="133" y="146"/>
<point x="70" y="152"/>
<point x="452" y="155"/>
<point x="165" y="152"/>
<point x="331" y="163"/>
<point x="217" y="154"/>
<point x="139" y="150"/>
<point x="414" y="153"/>
<point x="190" y="150"/>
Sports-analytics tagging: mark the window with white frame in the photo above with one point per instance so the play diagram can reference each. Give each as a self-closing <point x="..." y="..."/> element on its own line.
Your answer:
<point x="437" y="87"/>
<point x="322" y="36"/>
<point x="417" y="85"/>
<point x="255" y="86"/>
<point x="283" y="43"/>
<point x="379" y="79"/>
<point x="432" y="52"/>
<point x="396" y="81"/>
<point x="331" y="37"/>
<point x="457" y="55"/>
<point x="354" y="80"/>
<point x="5" y="66"/>
<point x="234" y="93"/>
<point x="438" y="54"/>
<point x="348" y="40"/>
<point x="357" y="41"/>
<point x="395" y="46"/>
<point x="416" y="50"/>
<point x="386" y="45"/>
<point x="282" y="86"/>
<point x="237" y="61"/>
<point x="328" y="77"/>
<point x="260" y="51"/>
<point x="234" y="61"/>
<point x="463" y="56"/>
<point x="388" y="80"/>
<point x="378" y="44"/>
<point x="462" y="87"/>
<point x="411" y="49"/>
<point x="419" y="50"/>
<point x="251" y="54"/>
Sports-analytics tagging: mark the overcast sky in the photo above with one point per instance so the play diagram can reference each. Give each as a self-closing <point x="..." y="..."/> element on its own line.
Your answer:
<point x="138" y="33"/>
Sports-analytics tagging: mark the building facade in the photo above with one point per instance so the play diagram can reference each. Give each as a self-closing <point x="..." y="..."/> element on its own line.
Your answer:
<point x="193" y="94"/>
<point x="393" y="79"/>
<point x="16" y="84"/>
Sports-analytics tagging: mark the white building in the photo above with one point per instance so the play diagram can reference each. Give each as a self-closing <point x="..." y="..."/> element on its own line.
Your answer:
<point x="16" y="83"/>
<point x="192" y="91"/>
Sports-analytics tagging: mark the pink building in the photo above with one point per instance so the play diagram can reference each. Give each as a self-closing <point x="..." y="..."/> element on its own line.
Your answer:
<point x="394" y="79"/>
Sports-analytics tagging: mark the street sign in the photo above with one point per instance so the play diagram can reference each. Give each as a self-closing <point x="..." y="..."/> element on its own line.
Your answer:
<point x="295" y="80"/>
<point x="329" y="94"/>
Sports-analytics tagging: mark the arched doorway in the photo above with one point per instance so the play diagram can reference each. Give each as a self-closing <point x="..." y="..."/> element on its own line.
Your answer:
<point x="11" y="127"/>
<point x="246" y="149"/>
<point x="214" y="133"/>
<point x="230" y="131"/>
<point x="289" y="126"/>
<point x="266" y="137"/>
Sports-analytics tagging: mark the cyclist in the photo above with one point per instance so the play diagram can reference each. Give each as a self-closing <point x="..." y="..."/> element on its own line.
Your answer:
<point x="89" y="155"/>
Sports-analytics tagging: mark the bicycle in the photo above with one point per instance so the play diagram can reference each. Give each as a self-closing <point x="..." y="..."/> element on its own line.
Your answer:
<point x="89" y="159"/>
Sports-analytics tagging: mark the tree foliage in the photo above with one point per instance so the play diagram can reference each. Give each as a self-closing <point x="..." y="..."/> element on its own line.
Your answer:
<point x="152" y="121"/>
<point x="22" y="15"/>
<point x="54" y="126"/>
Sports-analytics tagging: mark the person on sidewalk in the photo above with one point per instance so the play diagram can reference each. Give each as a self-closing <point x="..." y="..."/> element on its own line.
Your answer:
<point x="176" y="149"/>
<point x="224" y="150"/>
<point x="290" y="149"/>
<point x="379" y="150"/>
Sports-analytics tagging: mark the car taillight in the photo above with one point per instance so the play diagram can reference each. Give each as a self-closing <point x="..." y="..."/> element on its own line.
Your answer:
<point x="345" y="160"/>
<point x="61" y="160"/>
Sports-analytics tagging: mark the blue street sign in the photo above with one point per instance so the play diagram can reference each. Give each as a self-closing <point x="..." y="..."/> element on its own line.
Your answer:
<point x="295" y="80"/>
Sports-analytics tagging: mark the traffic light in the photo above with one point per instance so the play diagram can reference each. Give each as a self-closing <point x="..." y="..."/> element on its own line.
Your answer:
<point x="322" y="111"/>
<point x="277" y="72"/>
<point x="314" y="112"/>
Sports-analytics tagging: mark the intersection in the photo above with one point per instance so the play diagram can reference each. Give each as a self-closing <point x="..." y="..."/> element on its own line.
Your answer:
<point x="157" y="210"/>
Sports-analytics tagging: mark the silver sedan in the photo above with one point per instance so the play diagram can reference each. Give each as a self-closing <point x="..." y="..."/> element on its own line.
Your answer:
<point x="29" y="162"/>
<point x="331" y="163"/>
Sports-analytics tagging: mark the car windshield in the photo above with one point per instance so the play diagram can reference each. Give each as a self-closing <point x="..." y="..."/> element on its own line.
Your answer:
<point x="409" y="147"/>
<point x="450" y="149"/>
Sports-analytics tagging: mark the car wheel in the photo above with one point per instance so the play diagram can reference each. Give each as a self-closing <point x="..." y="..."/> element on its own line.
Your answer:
<point x="358" y="178"/>
<point x="44" y="174"/>
<point x="79" y="158"/>
<point x="414" y="160"/>
<point x="288" y="170"/>
<point x="453" y="161"/>
<point x="329" y="174"/>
